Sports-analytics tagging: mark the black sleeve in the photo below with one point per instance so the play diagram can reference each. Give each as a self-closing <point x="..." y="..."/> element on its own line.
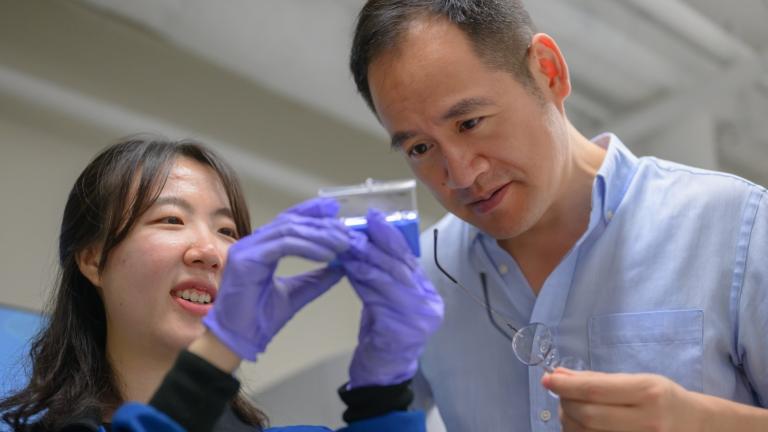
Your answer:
<point x="367" y="402"/>
<point x="194" y="393"/>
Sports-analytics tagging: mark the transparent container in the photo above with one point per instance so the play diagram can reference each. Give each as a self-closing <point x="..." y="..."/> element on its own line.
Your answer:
<point x="396" y="199"/>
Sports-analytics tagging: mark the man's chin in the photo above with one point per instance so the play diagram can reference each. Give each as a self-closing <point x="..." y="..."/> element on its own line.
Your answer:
<point x="501" y="233"/>
<point x="497" y="227"/>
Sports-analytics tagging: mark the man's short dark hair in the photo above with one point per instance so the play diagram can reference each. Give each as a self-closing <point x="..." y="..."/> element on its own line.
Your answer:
<point x="499" y="30"/>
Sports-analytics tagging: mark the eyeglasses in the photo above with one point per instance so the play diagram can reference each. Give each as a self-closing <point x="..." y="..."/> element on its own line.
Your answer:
<point x="532" y="344"/>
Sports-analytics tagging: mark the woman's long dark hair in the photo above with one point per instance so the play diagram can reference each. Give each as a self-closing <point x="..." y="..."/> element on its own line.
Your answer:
<point x="71" y="374"/>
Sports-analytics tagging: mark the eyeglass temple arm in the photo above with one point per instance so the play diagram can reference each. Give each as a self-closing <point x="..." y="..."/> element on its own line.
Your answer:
<point x="437" y="263"/>
<point x="485" y="291"/>
<point x="490" y="313"/>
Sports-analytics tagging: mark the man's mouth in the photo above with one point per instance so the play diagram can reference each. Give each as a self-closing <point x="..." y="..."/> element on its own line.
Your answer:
<point x="489" y="201"/>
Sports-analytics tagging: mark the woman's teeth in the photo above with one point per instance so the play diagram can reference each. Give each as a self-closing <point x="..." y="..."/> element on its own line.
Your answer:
<point x="194" y="296"/>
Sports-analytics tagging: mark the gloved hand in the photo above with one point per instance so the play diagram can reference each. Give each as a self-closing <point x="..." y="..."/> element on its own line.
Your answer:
<point x="252" y="305"/>
<point x="401" y="307"/>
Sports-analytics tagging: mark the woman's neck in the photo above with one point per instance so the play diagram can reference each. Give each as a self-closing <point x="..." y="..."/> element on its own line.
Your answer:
<point x="138" y="371"/>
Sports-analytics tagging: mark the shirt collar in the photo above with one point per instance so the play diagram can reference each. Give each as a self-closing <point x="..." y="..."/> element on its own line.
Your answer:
<point x="613" y="177"/>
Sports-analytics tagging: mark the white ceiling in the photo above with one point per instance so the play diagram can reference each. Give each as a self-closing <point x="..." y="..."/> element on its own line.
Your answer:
<point x="295" y="47"/>
<point x="637" y="65"/>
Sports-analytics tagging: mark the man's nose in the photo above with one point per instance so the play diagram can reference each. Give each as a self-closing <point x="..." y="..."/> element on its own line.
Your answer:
<point x="462" y="166"/>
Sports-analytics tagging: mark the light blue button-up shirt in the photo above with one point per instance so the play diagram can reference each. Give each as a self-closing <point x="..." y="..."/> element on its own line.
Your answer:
<point x="670" y="277"/>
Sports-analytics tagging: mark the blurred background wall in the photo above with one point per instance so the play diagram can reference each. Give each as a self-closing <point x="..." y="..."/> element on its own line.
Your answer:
<point x="266" y="84"/>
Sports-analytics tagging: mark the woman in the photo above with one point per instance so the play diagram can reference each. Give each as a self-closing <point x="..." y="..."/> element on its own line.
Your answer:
<point x="147" y="229"/>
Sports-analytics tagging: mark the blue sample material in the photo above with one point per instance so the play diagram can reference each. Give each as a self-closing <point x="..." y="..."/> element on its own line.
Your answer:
<point x="409" y="228"/>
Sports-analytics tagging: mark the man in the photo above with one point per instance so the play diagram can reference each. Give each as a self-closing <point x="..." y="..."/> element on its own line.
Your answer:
<point x="643" y="268"/>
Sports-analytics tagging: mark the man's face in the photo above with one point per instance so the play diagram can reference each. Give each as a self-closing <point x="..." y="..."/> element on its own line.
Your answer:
<point x="490" y="150"/>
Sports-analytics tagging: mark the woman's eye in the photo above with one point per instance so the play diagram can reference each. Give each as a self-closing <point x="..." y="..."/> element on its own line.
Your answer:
<point x="229" y="232"/>
<point x="173" y="220"/>
<point x="469" y="124"/>
<point x="418" y="149"/>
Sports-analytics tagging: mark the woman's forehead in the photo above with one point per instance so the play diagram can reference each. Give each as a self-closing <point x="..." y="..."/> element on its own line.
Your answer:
<point x="189" y="176"/>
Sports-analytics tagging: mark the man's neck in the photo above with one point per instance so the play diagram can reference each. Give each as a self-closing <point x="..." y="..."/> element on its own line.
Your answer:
<point x="539" y="250"/>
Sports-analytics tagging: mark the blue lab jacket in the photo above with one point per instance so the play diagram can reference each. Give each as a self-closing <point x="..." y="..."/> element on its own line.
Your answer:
<point x="195" y="395"/>
<point x="136" y="417"/>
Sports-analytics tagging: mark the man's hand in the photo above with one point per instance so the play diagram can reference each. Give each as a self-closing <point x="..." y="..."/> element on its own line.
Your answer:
<point x="595" y="401"/>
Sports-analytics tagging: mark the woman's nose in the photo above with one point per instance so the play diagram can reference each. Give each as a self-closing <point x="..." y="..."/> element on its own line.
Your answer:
<point x="204" y="253"/>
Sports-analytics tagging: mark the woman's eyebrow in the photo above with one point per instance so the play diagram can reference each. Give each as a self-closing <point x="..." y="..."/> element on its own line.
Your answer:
<point x="187" y="207"/>
<point x="174" y="201"/>
<point x="223" y="211"/>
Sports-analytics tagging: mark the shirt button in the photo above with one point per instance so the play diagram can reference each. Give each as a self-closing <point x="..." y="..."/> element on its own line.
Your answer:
<point x="609" y="215"/>
<point x="503" y="269"/>
<point x="545" y="415"/>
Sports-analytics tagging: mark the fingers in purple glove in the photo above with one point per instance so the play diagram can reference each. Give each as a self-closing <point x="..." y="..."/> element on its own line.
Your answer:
<point x="316" y="207"/>
<point x="305" y="287"/>
<point x="274" y="228"/>
<point x="327" y="233"/>
<point x="389" y="238"/>
<point x="378" y="288"/>
<point x="314" y="249"/>
<point x="374" y="257"/>
<point x="373" y="294"/>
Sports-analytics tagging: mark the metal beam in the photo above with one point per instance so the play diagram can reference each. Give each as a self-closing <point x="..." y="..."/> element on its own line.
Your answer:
<point x="704" y="96"/>
<point x="677" y="50"/>
<point x="587" y="107"/>
<point x="744" y="67"/>
<point x="696" y="27"/>
<point x="596" y="48"/>
<point x="124" y="121"/>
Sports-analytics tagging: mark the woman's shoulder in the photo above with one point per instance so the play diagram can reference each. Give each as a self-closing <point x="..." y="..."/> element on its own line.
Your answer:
<point x="402" y="421"/>
<point x="298" y="429"/>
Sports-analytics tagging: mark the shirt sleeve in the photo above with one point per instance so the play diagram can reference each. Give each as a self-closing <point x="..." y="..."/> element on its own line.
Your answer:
<point x="373" y="401"/>
<point x="752" y="332"/>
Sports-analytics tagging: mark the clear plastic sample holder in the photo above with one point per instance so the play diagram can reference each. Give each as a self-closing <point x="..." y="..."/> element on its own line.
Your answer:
<point x="396" y="199"/>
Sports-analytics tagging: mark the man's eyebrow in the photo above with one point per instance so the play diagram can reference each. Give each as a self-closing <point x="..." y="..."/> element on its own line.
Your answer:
<point x="187" y="207"/>
<point x="399" y="138"/>
<point x="464" y="107"/>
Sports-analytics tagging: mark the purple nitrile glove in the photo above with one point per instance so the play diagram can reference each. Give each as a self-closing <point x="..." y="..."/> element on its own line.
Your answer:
<point x="252" y="305"/>
<point x="401" y="307"/>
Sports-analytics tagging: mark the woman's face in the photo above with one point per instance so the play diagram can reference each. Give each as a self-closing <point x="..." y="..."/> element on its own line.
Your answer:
<point x="163" y="277"/>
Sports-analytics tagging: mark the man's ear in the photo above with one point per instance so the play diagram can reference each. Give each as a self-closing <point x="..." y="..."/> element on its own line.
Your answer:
<point x="549" y="68"/>
<point x="88" y="262"/>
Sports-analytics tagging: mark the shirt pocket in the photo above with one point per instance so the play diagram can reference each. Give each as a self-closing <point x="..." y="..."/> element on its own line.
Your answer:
<point x="668" y="343"/>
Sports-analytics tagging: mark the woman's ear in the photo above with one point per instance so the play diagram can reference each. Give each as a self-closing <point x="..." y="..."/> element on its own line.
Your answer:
<point x="88" y="262"/>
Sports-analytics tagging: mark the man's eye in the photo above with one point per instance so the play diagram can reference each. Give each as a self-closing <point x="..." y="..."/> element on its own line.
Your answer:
<point x="229" y="232"/>
<point x="469" y="124"/>
<point x="418" y="149"/>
